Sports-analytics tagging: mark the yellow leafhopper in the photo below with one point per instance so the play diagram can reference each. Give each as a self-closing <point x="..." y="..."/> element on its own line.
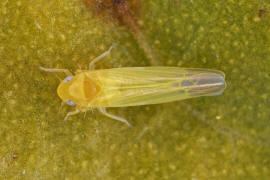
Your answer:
<point x="133" y="86"/>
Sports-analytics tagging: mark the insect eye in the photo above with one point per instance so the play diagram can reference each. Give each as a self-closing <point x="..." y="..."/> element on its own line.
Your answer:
<point x="71" y="103"/>
<point x="67" y="79"/>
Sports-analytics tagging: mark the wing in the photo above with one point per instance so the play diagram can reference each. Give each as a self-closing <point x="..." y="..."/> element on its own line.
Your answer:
<point x="152" y="85"/>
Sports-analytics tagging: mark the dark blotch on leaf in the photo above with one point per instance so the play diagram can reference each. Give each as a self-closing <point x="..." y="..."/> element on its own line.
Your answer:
<point x="120" y="12"/>
<point x="262" y="13"/>
<point x="125" y="13"/>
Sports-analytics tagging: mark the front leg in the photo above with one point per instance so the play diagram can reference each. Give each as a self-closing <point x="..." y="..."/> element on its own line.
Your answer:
<point x="54" y="70"/>
<point x="76" y="111"/>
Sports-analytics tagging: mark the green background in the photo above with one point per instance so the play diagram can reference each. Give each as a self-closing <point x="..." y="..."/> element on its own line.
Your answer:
<point x="221" y="137"/>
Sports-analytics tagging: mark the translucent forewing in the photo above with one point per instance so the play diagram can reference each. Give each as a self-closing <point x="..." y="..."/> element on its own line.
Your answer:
<point x="153" y="85"/>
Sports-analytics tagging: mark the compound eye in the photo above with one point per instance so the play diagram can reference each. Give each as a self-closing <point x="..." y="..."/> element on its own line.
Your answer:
<point x="67" y="79"/>
<point x="71" y="103"/>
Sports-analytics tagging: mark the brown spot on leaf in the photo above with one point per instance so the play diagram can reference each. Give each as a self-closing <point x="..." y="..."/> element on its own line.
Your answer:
<point x="120" y="12"/>
<point x="127" y="13"/>
<point x="262" y="13"/>
<point x="15" y="156"/>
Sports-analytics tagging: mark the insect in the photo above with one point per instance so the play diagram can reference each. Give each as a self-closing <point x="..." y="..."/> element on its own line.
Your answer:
<point x="133" y="86"/>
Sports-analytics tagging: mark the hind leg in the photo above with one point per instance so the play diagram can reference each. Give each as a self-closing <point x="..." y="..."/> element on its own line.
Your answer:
<point x="104" y="112"/>
<point x="92" y="63"/>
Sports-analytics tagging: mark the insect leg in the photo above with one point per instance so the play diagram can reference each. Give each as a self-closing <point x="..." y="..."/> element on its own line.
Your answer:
<point x="71" y="113"/>
<point x="66" y="71"/>
<point x="92" y="63"/>
<point x="103" y="111"/>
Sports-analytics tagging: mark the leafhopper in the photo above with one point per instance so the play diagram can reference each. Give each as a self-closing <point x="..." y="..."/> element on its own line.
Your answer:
<point x="134" y="86"/>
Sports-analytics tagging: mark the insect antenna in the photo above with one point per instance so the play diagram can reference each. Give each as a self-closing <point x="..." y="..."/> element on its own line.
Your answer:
<point x="60" y="108"/>
<point x="58" y="78"/>
<point x="84" y="114"/>
<point x="92" y="110"/>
